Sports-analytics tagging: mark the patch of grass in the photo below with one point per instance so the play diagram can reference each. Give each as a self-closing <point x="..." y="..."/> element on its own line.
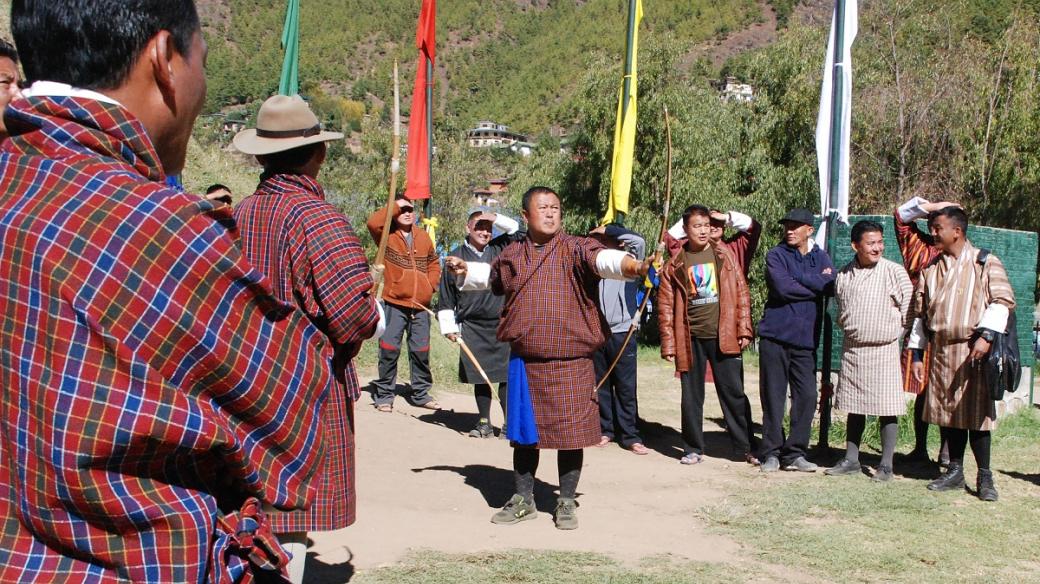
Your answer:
<point x="533" y="566"/>
<point x="849" y="529"/>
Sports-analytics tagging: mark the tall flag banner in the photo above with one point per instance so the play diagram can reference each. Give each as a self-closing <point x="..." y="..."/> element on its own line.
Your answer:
<point x="417" y="172"/>
<point x="625" y="128"/>
<point x="289" y="83"/>
<point x="835" y="118"/>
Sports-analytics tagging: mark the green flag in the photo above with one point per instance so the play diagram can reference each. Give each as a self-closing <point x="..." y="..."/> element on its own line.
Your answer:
<point x="289" y="84"/>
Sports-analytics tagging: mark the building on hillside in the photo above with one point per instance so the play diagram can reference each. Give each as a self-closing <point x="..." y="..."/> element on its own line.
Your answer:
<point x="492" y="135"/>
<point x="493" y="194"/>
<point x="731" y="89"/>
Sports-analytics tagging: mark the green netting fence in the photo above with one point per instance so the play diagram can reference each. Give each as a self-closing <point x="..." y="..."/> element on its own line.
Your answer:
<point x="1017" y="249"/>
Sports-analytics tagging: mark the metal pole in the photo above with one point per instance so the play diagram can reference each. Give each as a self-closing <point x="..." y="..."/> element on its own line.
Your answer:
<point x="834" y="172"/>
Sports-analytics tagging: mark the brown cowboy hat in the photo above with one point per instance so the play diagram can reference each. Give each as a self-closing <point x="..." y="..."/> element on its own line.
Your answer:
<point x="283" y="123"/>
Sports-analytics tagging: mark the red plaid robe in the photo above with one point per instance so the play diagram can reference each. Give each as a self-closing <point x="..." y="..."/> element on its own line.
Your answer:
<point x="551" y="318"/>
<point x="312" y="256"/>
<point x="150" y="379"/>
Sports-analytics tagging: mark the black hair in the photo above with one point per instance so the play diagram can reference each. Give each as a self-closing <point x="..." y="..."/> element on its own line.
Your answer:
<point x="863" y="227"/>
<point x="289" y="161"/>
<point x="954" y="214"/>
<point x="695" y="210"/>
<point x="217" y="187"/>
<point x="93" y="43"/>
<point x="8" y="50"/>
<point x="531" y="192"/>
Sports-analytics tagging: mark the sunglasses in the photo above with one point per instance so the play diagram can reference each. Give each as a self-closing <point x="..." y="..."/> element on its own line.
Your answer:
<point x="407" y="209"/>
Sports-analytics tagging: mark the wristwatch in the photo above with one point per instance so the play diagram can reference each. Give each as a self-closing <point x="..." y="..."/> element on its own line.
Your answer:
<point x="986" y="334"/>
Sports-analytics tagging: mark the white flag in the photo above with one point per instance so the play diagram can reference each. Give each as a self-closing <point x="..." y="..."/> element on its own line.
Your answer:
<point x="823" y="122"/>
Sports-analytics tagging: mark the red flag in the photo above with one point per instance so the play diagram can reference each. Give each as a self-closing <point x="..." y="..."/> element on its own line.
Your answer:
<point x="417" y="185"/>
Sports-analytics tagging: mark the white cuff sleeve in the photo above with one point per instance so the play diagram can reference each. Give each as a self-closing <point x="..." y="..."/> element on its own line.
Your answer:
<point x="918" y="337"/>
<point x="478" y="277"/>
<point x="608" y="264"/>
<point x="739" y="221"/>
<point x="506" y="224"/>
<point x="446" y="320"/>
<point x="995" y="318"/>
<point x="912" y="210"/>
<point x="677" y="230"/>
<point x="381" y="325"/>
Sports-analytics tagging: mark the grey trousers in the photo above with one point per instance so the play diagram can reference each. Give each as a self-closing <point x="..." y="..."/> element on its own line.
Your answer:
<point x="416" y="322"/>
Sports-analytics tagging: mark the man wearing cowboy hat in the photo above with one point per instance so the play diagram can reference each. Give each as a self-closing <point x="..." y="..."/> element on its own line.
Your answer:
<point x="310" y="253"/>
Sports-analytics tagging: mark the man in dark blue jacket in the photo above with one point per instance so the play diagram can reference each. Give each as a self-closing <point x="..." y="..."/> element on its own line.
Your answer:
<point x="798" y="275"/>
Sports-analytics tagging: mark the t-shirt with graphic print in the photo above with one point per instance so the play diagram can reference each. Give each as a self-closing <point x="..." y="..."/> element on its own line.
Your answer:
<point x="702" y="283"/>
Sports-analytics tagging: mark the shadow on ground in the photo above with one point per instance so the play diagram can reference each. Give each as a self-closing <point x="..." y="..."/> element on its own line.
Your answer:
<point x="667" y="441"/>
<point x="318" y="572"/>
<point x="496" y="484"/>
<point x="1029" y="478"/>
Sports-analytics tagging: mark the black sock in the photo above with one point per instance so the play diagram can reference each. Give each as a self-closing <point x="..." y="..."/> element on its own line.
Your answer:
<point x="889" y="436"/>
<point x="482" y="392"/>
<point x="525" y="465"/>
<point x="980" y="446"/>
<point x="569" y="463"/>
<point x="854" y="435"/>
<point x="503" y="398"/>
<point x="920" y="426"/>
<point x="956" y="440"/>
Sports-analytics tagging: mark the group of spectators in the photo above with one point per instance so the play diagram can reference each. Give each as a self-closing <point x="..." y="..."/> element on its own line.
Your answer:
<point x="178" y="374"/>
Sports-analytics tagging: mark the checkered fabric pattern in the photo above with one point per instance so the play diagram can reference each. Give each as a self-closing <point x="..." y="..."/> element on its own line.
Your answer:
<point x="310" y="252"/>
<point x="151" y="382"/>
<point x="551" y="308"/>
<point x="551" y="317"/>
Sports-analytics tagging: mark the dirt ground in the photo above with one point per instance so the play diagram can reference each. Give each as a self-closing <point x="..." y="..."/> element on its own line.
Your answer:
<point x="424" y="484"/>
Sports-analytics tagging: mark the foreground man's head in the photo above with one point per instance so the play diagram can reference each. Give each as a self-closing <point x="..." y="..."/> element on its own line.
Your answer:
<point x="148" y="55"/>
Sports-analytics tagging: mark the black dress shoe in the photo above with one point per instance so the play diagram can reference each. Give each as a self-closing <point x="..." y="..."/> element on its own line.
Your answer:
<point x="845" y="467"/>
<point x="952" y="479"/>
<point x="984" y="485"/>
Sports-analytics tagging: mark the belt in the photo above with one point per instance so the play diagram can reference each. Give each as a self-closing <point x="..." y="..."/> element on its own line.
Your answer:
<point x="701" y="301"/>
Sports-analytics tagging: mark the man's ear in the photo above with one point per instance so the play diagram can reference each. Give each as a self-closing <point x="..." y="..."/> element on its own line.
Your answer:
<point x="161" y="52"/>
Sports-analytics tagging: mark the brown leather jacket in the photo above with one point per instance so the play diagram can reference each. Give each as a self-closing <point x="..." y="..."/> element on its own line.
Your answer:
<point x="734" y="309"/>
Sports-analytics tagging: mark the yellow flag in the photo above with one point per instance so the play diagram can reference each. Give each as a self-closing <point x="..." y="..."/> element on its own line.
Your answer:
<point x="624" y="136"/>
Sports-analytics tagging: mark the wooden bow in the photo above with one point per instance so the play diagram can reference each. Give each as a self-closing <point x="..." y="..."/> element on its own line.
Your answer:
<point x="658" y="254"/>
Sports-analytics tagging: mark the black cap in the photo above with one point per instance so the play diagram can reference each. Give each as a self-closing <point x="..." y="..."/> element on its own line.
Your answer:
<point x="803" y="216"/>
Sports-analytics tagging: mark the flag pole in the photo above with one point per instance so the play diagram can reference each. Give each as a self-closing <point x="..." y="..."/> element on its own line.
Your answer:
<point x="834" y="176"/>
<point x="429" y="132"/>
<point x="395" y="165"/>
<point x="626" y="91"/>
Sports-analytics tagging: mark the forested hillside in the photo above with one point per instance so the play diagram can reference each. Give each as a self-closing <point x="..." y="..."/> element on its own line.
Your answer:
<point x="513" y="61"/>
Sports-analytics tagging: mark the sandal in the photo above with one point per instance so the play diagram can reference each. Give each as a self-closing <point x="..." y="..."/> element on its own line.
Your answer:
<point x="387" y="408"/>
<point x="431" y="405"/>
<point x="691" y="458"/>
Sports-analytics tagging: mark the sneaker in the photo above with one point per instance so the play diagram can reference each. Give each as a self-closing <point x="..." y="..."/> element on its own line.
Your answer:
<point x="801" y="465"/>
<point x="517" y="509"/>
<point x="771" y="464"/>
<point x="483" y="430"/>
<point x="883" y="474"/>
<point x="843" y="468"/>
<point x="950" y="480"/>
<point x="984" y="486"/>
<point x="565" y="516"/>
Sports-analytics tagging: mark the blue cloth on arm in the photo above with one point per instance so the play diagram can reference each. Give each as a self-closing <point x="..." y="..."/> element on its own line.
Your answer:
<point x="520" y="424"/>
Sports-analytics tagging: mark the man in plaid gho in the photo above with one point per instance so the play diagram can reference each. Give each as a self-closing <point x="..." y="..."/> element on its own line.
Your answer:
<point x="309" y="251"/>
<point x="155" y="392"/>
<point x="552" y="322"/>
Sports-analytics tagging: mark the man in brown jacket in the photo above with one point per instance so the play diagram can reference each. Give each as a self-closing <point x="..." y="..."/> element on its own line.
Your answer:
<point x="705" y="316"/>
<point x="413" y="272"/>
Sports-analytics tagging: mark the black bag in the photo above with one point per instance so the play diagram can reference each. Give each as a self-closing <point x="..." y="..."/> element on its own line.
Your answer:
<point x="1002" y="366"/>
